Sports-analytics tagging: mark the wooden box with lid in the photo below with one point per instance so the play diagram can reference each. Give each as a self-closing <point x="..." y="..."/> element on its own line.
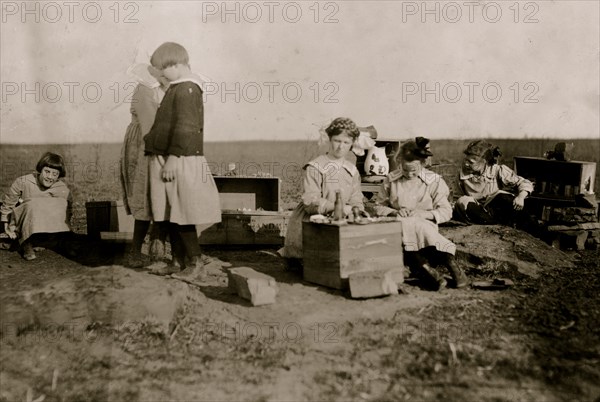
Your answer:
<point x="332" y="252"/>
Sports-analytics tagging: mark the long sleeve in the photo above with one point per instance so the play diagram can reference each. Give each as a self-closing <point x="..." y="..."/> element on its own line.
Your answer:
<point x="356" y="199"/>
<point x="11" y="198"/>
<point x="442" y="210"/>
<point x="382" y="199"/>
<point x="188" y="119"/>
<point x="510" y="179"/>
<point x="312" y="184"/>
<point x="460" y="185"/>
<point x="144" y="106"/>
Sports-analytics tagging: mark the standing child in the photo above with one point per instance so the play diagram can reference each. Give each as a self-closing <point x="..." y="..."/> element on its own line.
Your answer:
<point x="182" y="189"/>
<point x="134" y="164"/>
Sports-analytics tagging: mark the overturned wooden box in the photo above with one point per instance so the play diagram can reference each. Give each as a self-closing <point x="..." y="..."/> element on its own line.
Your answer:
<point x="332" y="253"/>
<point x="557" y="179"/>
<point x="249" y="212"/>
<point x="108" y="217"/>
<point x="253" y="193"/>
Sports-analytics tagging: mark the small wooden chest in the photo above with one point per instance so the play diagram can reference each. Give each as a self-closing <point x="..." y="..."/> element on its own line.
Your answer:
<point x="249" y="212"/>
<point x="333" y="252"/>
<point x="557" y="179"/>
<point x="107" y="216"/>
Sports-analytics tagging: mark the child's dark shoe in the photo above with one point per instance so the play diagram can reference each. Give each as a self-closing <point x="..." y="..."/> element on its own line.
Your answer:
<point x="195" y="272"/>
<point x="165" y="270"/>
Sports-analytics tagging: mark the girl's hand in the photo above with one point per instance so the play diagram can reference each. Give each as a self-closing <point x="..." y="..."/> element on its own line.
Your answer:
<point x="519" y="202"/>
<point x="168" y="171"/>
<point x="402" y="212"/>
<point x="8" y="230"/>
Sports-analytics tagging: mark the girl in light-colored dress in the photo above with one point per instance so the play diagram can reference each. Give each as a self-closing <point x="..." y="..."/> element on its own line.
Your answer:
<point x="134" y="164"/>
<point x="37" y="203"/>
<point x="492" y="193"/>
<point x="183" y="192"/>
<point x="420" y="198"/>
<point x="321" y="179"/>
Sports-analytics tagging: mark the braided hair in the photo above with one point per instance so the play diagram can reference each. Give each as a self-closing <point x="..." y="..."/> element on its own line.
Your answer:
<point x="342" y="125"/>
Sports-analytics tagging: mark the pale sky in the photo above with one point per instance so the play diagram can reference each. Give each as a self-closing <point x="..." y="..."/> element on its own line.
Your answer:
<point x="280" y="70"/>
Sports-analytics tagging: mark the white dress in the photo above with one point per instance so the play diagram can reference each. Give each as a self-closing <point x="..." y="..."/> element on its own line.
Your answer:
<point x="426" y="192"/>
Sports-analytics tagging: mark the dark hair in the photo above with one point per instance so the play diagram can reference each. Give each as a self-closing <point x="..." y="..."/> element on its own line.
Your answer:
<point x="169" y="54"/>
<point x="412" y="150"/>
<point x="53" y="161"/>
<point x="343" y="125"/>
<point x="490" y="153"/>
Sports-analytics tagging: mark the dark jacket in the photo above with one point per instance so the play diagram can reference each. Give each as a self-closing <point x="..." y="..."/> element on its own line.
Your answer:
<point x="178" y="127"/>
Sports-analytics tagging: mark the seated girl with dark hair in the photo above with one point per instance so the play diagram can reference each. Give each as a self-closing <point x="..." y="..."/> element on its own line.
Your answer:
<point x="420" y="198"/>
<point x="37" y="203"/>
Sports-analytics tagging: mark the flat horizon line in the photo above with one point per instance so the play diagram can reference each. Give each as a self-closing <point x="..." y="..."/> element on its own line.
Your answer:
<point x="316" y="141"/>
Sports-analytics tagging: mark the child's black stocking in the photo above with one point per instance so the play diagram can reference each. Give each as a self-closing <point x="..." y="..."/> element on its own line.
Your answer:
<point x="189" y="238"/>
<point x="140" y="229"/>
<point x="177" y="247"/>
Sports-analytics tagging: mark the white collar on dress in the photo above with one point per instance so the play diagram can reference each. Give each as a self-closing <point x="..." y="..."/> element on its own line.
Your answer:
<point x="426" y="175"/>
<point x="198" y="79"/>
<point x="488" y="171"/>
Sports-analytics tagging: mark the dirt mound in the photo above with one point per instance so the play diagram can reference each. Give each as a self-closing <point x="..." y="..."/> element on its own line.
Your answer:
<point x="505" y="250"/>
<point x="108" y="295"/>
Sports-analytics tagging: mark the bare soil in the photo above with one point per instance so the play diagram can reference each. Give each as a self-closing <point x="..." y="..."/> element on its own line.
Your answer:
<point x="537" y="341"/>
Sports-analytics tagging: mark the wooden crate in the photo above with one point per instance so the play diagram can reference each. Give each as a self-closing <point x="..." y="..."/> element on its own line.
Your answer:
<point x="249" y="212"/>
<point x="107" y="216"/>
<point x="333" y="252"/>
<point x="557" y="179"/>
<point x="247" y="228"/>
<point x="249" y="192"/>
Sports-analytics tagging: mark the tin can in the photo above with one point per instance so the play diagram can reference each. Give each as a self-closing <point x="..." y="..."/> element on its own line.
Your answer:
<point x="568" y="191"/>
<point x="543" y="186"/>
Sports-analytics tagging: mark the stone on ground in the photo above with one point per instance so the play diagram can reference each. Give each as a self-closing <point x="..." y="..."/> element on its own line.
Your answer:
<point x="251" y="285"/>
